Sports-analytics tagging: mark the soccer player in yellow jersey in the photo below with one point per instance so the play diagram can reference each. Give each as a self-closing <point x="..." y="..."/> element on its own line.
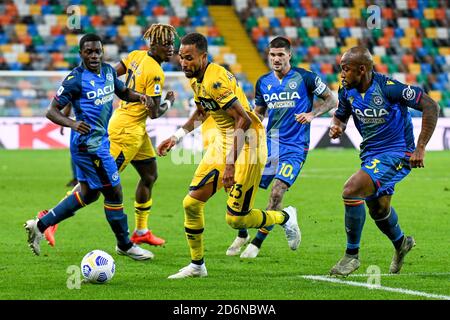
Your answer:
<point x="130" y="142"/>
<point x="235" y="159"/>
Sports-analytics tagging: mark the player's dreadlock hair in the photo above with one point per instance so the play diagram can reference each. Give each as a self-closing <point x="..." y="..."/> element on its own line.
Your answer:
<point x="160" y="33"/>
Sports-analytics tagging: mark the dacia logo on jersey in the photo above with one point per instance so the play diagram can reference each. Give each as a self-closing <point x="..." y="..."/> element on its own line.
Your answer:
<point x="100" y="92"/>
<point x="282" y="96"/>
<point x="371" y="113"/>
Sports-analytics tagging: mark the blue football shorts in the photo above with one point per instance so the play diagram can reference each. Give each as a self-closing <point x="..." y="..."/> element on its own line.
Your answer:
<point x="285" y="167"/>
<point x="386" y="170"/>
<point x="98" y="170"/>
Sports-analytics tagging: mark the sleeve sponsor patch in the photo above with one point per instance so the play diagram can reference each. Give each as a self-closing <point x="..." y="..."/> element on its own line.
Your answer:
<point x="320" y="86"/>
<point x="409" y="93"/>
<point x="60" y="91"/>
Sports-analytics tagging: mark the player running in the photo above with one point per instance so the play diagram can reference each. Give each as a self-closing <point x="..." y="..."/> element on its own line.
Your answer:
<point x="288" y="94"/>
<point x="379" y="108"/>
<point x="90" y="89"/>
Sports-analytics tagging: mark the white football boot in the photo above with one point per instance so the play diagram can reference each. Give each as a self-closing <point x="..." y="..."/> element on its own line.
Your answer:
<point x="190" y="271"/>
<point x="237" y="245"/>
<point x="291" y="228"/>
<point x="34" y="236"/>
<point x="136" y="253"/>
<point x="250" y="252"/>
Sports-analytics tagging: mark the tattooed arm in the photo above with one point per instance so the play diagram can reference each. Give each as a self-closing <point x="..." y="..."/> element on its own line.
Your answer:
<point x="328" y="102"/>
<point x="430" y="114"/>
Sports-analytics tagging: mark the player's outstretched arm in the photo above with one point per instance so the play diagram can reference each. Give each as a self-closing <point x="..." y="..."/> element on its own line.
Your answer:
<point x="430" y="114"/>
<point x="328" y="102"/>
<point x="193" y="122"/>
<point x="129" y="95"/>
<point x="55" y="115"/>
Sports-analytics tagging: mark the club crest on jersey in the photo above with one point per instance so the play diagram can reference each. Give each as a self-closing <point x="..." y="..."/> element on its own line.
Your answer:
<point x="292" y="85"/>
<point x="109" y="77"/>
<point x="378" y="100"/>
<point x="409" y="93"/>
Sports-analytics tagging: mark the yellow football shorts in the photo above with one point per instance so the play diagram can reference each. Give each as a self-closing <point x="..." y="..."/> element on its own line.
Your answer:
<point x="130" y="144"/>
<point x="248" y="171"/>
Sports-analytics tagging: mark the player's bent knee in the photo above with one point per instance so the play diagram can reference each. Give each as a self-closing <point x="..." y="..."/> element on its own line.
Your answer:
<point x="379" y="213"/>
<point x="236" y="222"/>
<point x="351" y="190"/>
<point x="149" y="180"/>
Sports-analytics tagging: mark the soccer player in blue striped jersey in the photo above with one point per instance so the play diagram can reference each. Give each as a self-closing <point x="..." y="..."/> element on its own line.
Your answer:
<point x="379" y="108"/>
<point x="287" y="94"/>
<point x="90" y="89"/>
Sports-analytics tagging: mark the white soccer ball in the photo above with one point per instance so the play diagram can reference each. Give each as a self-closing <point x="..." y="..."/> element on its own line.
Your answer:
<point x="98" y="266"/>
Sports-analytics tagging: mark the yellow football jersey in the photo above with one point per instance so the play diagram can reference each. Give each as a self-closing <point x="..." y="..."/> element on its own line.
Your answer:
<point x="217" y="92"/>
<point x="144" y="75"/>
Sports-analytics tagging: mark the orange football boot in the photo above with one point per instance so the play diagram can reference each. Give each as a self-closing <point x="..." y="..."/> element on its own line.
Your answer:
<point x="148" y="238"/>
<point x="50" y="231"/>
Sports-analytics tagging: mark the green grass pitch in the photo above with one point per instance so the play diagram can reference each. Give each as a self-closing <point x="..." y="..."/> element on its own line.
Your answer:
<point x="34" y="180"/>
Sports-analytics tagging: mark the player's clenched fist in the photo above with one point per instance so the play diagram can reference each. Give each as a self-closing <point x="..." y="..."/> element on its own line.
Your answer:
<point x="166" y="146"/>
<point x="335" y="131"/>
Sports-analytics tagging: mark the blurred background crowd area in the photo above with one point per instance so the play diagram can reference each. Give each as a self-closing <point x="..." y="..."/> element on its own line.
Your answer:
<point x="411" y="42"/>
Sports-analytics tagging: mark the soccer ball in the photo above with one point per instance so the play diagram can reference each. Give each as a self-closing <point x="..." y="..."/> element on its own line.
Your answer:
<point x="98" y="267"/>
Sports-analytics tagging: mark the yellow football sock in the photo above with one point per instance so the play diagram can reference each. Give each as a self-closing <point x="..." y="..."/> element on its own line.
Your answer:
<point x="194" y="222"/>
<point x="256" y="218"/>
<point x="141" y="213"/>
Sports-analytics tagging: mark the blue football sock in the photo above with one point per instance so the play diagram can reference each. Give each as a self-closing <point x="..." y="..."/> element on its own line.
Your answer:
<point x="63" y="210"/>
<point x="118" y="222"/>
<point x="355" y="216"/>
<point x="261" y="235"/>
<point x="390" y="227"/>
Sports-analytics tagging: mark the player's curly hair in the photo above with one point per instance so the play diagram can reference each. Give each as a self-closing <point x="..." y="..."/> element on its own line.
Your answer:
<point x="159" y="33"/>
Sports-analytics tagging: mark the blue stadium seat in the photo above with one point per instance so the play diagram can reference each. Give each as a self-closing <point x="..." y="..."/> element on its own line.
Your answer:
<point x="442" y="77"/>
<point x="3" y="38"/>
<point x="274" y="22"/>
<point x="421" y="52"/>
<point x="425" y="68"/>
<point x="46" y="10"/>
<point x="440" y="60"/>
<point x="438" y="86"/>
<point x="32" y="30"/>
<point x="111" y="31"/>
<point x="344" y="33"/>
<point x="399" y="33"/>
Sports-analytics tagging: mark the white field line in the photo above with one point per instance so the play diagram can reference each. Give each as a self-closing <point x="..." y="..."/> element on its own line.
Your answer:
<point x="377" y="287"/>
<point x="401" y="274"/>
